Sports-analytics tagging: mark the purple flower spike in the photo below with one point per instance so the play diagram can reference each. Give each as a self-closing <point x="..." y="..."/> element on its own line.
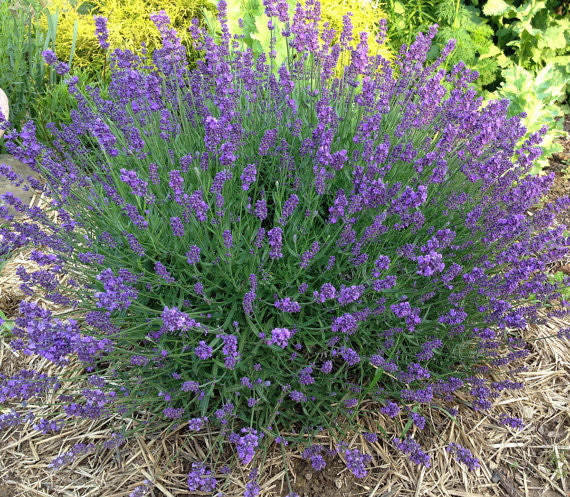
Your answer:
<point x="102" y="32"/>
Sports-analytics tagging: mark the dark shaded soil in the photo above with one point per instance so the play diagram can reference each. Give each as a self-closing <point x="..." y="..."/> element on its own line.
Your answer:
<point x="559" y="164"/>
<point x="332" y="481"/>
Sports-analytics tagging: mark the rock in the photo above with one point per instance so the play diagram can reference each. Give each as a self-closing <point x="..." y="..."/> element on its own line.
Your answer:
<point x="4" y="108"/>
<point x="7" y="186"/>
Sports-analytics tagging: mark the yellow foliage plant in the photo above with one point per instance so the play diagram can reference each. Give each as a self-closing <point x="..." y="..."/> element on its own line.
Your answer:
<point x="128" y="23"/>
<point x="365" y="18"/>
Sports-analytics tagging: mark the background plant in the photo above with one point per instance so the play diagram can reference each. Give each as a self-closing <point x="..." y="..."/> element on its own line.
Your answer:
<point x="531" y="34"/>
<point x="538" y="95"/>
<point x="504" y="41"/>
<point x="25" y="78"/>
<point x="257" y="36"/>
<point x="129" y="26"/>
<point x="273" y="250"/>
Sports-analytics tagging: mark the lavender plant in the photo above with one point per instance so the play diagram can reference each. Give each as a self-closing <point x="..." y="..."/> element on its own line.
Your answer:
<point x="273" y="251"/>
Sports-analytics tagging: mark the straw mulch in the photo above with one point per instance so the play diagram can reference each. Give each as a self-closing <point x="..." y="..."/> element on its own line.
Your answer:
<point x="532" y="462"/>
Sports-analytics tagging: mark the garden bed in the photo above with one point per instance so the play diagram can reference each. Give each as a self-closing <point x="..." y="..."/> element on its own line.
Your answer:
<point x="532" y="462"/>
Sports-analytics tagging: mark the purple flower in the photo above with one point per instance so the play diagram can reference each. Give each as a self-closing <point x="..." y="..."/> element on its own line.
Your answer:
<point x="430" y="264"/>
<point x="190" y="386"/>
<point x="118" y="292"/>
<point x="346" y="295"/>
<point x="511" y="421"/>
<point x="288" y="208"/>
<point x="193" y="255"/>
<point x="314" y="454"/>
<point x="349" y="355"/>
<point x="356" y="461"/>
<point x="275" y="242"/>
<point x="138" y="186"/>
<point x="247" y="304"/>
<point x="252" y="489"/>
<point x="50" y="57"/>
<point x="370" y="437"/>
<point x="261" y="209"/>
<point x="246" y="445"/>
<point x="196" y="424"/>
<point x="327" y="292"/>
<point x="287" y="305"/>
<point x="177" y="226"/>
<point x="267" y="141"/>
<point x="196" y="203"/>
<point x="141" y="490"/>
<point x="411" y="447"/>
<point x="248" y="176"/>
<point x="463" y="455"/>
<point x="327" y="367"/>
<point x="428" y="349"/>
<point x="346" y="324"/>
<point x="161" y="270"/>
<point x="101" y="31"/>
<point x="309" y="254"/>
<point x="176" y="184"/>
<point x="203" y="351"/>
<point x="69" y="456"/>
<point x="390" y="409"/>
<point x="228" y="239"/>
<point x="280" y="337"/>
<point x="199" y="288"/>
<point x="402" y="309"/>
<point x="305" y="377"/>
<point x="173" y="413"/>
<point x="230" y="350"/>
<point x="297" y="396"/>
<point x="200" y="478"/>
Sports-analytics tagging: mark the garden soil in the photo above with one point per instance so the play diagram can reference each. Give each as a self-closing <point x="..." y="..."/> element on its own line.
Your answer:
<point x="532" y="462"/>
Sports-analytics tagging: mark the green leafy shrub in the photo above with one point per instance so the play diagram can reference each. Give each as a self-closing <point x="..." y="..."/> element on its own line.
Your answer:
<point x="530" y="34"/>
<point x="538" y="95"/>
<point x="518" y="49"/>
<point x="24" y="76"/>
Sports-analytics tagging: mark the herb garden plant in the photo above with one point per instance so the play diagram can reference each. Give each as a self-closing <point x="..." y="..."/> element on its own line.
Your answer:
<point x="268" y="251"/>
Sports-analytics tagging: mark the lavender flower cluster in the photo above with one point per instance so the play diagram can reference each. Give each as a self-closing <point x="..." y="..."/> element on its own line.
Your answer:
<point x="254" y="246"/>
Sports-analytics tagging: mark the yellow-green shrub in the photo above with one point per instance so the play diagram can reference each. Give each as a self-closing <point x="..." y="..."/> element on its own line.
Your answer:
<point x="128" y="22"/>
<point x="365" y="17"/>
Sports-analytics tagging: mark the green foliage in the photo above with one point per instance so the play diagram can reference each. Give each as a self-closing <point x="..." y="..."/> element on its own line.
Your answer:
<point x="538" y="95"/>
<point x="519" y="48"/>
<point x="530" y="35"/>
<point x="474" y="37"/>
<point x="409" y="17"/>
<point x="257" y="36"/>
<point x="21" y="44"/>
<point x="5" y="326"/>
<point x="34" y="89"/>
<point x="559" y="277"/>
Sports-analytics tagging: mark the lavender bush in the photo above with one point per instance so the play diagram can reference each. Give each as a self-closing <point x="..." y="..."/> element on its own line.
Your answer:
<point x="271" y="251"/>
